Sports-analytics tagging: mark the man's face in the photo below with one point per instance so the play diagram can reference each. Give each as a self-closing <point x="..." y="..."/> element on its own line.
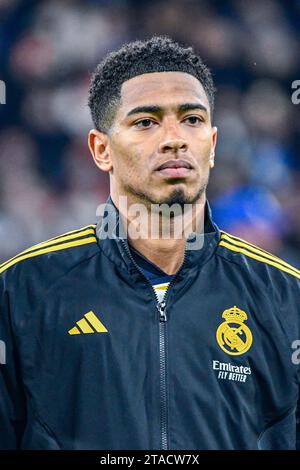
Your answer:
<point x="161" y="144"/>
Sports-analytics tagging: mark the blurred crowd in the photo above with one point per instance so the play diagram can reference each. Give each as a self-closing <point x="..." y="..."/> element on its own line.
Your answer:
<point x="48" y="50"/>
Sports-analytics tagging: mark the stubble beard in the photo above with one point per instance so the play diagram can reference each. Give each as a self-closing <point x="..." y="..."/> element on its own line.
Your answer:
<point x="177" y="196"/>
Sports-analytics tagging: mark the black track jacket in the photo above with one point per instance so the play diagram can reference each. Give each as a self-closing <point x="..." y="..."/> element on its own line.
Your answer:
<point x="91" y="360"/>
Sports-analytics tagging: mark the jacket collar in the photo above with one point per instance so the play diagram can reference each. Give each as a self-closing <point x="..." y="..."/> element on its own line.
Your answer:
<point x="112" y="240"/>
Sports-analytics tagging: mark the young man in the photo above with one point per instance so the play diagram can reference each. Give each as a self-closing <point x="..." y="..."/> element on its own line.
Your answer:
<point x="120" y="341"/>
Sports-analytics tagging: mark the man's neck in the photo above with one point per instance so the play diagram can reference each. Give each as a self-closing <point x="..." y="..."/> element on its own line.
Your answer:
<point x="167" y="256"/>
<point x="166" y="253"/>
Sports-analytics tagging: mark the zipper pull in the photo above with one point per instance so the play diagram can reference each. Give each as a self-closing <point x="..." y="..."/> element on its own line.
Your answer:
<point x="161" y="306"/>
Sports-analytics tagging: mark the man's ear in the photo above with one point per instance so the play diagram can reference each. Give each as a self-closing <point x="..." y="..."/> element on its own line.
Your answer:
<point x="99" y="147"/>
<point x="213" y="147"/>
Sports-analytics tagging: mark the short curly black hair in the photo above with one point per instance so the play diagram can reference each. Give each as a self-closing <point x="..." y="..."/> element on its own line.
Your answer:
<point x="157" y="54"/>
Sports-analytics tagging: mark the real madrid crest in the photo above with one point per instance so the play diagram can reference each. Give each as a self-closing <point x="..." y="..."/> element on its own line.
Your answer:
<point x="233" y="336"/>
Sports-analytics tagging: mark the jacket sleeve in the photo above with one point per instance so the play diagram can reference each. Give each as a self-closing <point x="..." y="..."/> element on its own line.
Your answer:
<point x="12" y="397"/>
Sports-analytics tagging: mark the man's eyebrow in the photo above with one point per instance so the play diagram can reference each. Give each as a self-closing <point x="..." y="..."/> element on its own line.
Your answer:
<point x="158" y="109"/>
<point x="191" y="106"/>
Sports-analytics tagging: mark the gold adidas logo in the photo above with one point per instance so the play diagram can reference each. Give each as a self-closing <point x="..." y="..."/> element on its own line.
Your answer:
<point x="86" y="323"/>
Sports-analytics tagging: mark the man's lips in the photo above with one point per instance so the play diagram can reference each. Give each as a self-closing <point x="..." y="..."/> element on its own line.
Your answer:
<point x="175" y="164"/>
<point x="175" y="169"/>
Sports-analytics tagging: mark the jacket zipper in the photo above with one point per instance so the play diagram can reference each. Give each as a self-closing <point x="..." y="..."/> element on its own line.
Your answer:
<point x="161" y="307"/>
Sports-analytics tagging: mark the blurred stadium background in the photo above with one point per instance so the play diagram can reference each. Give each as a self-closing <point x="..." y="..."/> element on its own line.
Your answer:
<point x="48" y="49"/>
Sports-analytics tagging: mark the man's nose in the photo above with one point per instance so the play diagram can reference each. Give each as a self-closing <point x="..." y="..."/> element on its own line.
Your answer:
<point x="172" y="143"/>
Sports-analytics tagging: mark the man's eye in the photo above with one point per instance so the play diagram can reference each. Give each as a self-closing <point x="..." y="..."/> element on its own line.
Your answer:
<point x="144" y="123"/>
<point x="193" y="119"/>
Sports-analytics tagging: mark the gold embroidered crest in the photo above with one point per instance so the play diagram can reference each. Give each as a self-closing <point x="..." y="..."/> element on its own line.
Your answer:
<point x="233" y="336"/>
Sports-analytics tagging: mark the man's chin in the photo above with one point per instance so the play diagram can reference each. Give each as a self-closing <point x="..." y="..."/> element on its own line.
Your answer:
<point x="179" y="196"/>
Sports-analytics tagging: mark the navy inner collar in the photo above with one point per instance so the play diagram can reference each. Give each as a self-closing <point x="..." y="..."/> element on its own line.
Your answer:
<point x="145" y="263"/>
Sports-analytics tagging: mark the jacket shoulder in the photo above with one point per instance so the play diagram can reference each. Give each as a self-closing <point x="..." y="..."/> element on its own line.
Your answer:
<point x="240" y="250"/>
<point x="66" y="241"/>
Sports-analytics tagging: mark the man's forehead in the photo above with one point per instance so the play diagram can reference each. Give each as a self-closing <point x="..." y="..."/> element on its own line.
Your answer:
<point x="165" y="88"/>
